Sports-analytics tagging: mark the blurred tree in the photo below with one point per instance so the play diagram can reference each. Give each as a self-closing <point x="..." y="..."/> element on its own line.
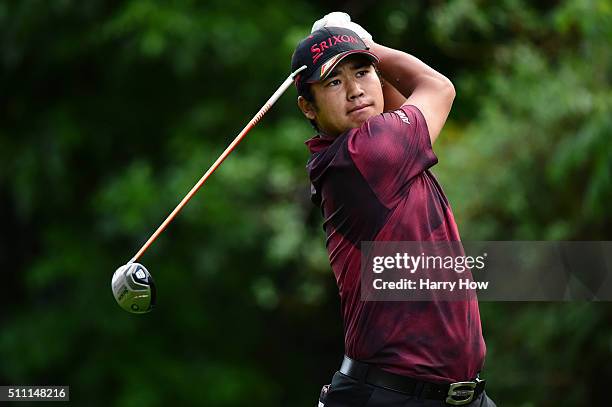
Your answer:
<point x="531" y="159"/>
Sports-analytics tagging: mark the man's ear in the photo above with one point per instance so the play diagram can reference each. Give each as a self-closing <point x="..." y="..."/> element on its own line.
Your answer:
<point x="307" y="108"/>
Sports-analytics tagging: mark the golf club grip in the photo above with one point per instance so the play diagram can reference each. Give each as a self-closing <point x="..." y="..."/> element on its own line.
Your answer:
<point x="275" y="96"/>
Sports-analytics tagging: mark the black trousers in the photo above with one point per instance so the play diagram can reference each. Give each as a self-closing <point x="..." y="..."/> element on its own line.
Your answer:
<point x="345" y="391"/>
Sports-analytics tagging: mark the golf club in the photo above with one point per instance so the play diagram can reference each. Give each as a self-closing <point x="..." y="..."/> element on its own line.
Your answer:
<point x="132" y="284"/>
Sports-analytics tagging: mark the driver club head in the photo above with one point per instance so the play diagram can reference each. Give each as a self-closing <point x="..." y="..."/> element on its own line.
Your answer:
<point x="134" y="288"/>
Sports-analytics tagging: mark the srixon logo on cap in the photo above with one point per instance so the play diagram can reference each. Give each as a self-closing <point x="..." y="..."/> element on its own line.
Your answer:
<point x="318" y="49"/>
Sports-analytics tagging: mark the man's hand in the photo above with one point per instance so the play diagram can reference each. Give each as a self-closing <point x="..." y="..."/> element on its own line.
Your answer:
<point x="339" y="19"/>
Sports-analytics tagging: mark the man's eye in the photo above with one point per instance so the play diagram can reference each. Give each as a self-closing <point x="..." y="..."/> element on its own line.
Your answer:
<point x="362" y="73"/>
<point x="335" y="82"/>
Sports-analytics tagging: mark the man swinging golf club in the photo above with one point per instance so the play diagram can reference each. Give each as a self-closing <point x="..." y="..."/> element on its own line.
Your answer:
<point x="369" y="171"/>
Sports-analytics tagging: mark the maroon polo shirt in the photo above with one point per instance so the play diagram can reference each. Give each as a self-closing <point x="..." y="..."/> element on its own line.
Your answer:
<point x="373" y="183"/>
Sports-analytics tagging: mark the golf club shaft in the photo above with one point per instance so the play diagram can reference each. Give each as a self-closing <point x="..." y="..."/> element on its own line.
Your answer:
<point x="216" y="164"/>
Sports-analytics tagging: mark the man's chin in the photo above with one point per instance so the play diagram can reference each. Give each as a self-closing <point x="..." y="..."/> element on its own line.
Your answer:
<point x="357" y="122"/>
<point x="360" y="117"/>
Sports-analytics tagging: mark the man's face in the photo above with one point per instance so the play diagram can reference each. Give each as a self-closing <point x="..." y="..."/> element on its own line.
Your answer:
<point x="351" y="94"/>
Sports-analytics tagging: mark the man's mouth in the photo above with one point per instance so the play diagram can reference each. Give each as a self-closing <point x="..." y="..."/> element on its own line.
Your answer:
<point x="358" y="108"/>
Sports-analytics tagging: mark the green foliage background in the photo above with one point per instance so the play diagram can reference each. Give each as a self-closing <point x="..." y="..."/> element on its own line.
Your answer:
<point x="110" y="111"/>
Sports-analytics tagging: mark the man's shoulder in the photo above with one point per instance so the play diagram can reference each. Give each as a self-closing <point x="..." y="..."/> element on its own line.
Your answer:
<point x="402" y="115"/>
<point x="405" y="115"/>
<point x="400" y="120"/>
<point x="394" y="126"/>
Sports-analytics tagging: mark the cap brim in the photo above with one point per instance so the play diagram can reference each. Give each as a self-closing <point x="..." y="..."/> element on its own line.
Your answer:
<point x="329" y="65"/>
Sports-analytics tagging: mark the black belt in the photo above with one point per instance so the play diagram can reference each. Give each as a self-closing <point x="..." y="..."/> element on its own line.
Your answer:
<point x="455" y="394"/>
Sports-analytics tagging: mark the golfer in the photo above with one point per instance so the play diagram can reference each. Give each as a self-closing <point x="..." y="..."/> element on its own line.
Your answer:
<point x="370" y="175"/>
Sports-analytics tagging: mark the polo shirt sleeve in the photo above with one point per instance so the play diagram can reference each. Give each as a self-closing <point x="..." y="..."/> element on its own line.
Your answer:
<point x="390" y="150"/>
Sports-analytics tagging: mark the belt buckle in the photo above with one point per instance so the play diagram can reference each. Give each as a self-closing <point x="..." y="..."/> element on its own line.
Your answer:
<point x="460" y="389"/>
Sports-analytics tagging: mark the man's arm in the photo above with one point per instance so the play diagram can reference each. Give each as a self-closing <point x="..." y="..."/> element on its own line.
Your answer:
<point x="393" y="98"/>
<point x="414" y="83"/>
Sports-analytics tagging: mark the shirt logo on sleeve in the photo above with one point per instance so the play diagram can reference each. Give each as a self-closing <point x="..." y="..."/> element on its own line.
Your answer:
<point x="402" y="116"/>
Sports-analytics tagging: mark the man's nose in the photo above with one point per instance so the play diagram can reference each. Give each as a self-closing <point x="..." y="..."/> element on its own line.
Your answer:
<point x="353" y="90"/>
